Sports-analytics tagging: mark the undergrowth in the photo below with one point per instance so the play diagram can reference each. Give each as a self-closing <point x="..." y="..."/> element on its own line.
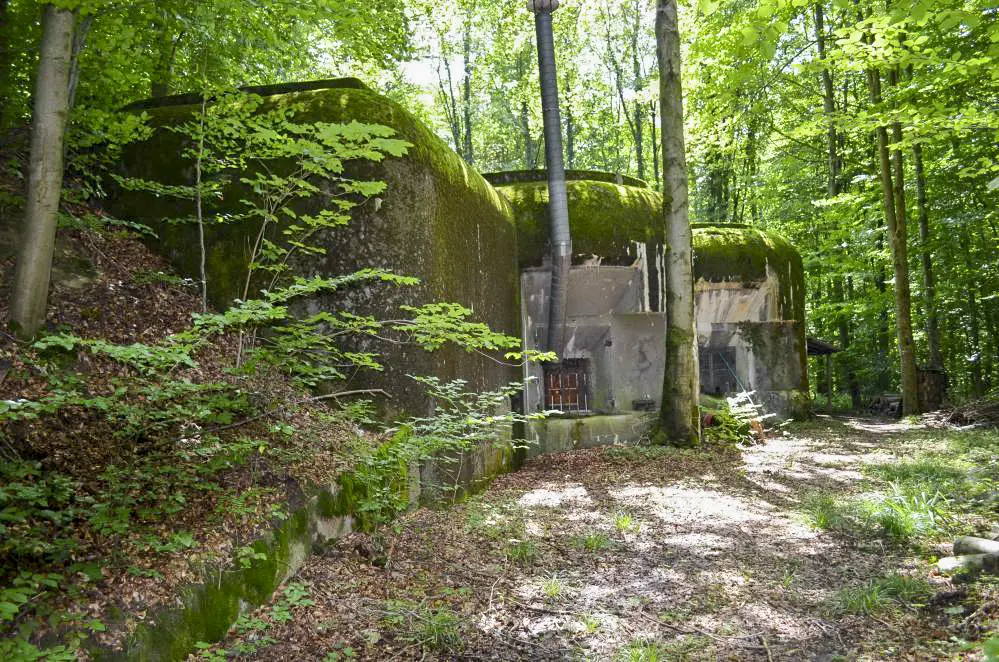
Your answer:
<point x="946" y="488"/>
<point x="891" y="591"/>
<point x="112" y="450"/>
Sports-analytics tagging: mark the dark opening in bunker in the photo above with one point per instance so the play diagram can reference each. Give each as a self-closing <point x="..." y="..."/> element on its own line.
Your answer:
<point x="718" y="370"/>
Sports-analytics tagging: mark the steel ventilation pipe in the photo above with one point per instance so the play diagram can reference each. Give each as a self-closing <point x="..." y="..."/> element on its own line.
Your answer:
<point x="558" y="208"/>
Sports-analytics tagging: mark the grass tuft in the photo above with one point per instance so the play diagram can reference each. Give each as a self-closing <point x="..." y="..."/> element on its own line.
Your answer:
<point x="875" y="596"/>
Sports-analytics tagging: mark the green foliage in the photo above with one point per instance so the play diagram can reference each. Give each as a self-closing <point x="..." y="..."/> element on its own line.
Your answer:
<point x="731" y="419"/>
<point x="594" y="541"/>
<point x="521" y="551"/>
<point x="927" y="497"/>
<point x="625" y="523"/>
<point x="434" y="628"/>
<point x="554" y="588"/>
<point x="294" y="596"/>
<point x="883" y="593"/>
<point x="461" y="421"/>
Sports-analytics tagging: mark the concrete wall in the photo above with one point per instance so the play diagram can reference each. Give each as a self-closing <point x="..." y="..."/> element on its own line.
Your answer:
<point x="438" y="220"/>
<point x="610" y="324"/>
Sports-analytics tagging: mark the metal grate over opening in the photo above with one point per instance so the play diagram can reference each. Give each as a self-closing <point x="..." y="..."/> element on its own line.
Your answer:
<point x="567" y="386"/>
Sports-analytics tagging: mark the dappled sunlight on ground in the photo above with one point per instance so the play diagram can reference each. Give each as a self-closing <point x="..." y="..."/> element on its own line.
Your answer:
<point x="581" y="555"/>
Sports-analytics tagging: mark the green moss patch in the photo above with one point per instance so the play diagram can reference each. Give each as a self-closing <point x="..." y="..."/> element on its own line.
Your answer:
<point x="520" y="176"/>
<point x="741" y="253"/>
<point x="604" y="218"/>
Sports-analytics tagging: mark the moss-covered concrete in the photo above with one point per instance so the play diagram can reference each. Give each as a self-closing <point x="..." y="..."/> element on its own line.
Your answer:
<point x="555" y="435"/>
<point x="519" y="176"/>
<point x="438" y="220"/>
<point x="741" y="253"/>
<point x="206" y="611"/>
<point x="605" y="219"/>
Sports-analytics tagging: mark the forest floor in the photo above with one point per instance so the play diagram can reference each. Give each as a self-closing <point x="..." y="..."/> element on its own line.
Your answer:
<point x="651" y="554"/>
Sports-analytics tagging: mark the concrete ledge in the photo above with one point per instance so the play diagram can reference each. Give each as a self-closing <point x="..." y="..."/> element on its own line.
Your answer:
<point x="562" y="434"/>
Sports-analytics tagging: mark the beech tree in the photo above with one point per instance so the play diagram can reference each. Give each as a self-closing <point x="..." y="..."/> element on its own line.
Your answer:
<point x="679" y="413"/>
<point x="51" y="106"/>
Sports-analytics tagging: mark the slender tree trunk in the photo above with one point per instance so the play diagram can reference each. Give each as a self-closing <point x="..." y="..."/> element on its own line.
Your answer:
<point x="525" y="128"/>
<point x="973" y="330"/>
<point x="5" y="58"/>
<point x="637" y="86"/>
<point x="570" y="138"/>
<point x="828" y="105"/>
<point x="34" y="259"/>
<point x="893" y="199"/>
<point x="79" y="42"/>
<point x="451" y="105"/>
<point x="654" y="111"/>
<point x="162" y="76"/>
<point x="467" y="90"/>
<point x="199" y="197"/>
<point x="679" y="414"/>
<point x="926" y="256"/>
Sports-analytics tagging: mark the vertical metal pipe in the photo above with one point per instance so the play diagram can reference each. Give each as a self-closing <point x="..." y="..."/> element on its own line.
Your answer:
<point x="558" y="208"/>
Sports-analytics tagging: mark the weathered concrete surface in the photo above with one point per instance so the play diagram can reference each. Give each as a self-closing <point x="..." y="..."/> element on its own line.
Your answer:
<point x="749" y="297"/>
<point x="438" y="220"/>
<point x="608" y="324"/>
<point x="553" y="435"/>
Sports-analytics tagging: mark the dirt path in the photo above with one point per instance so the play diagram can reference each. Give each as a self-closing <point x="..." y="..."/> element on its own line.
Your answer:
<point x="635" y="554"/>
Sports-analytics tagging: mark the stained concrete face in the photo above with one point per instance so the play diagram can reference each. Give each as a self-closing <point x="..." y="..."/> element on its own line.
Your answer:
<point x="750" y="317"/>
<point x="438" y="220"/>
<point x="609" y="325"/>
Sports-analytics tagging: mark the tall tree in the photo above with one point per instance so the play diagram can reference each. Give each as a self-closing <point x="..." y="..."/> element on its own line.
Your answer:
<point x="932" y="324"/>
<point x="679" y="413"/>
<point x="893" y="200"/>
<point x="29" y="296"/>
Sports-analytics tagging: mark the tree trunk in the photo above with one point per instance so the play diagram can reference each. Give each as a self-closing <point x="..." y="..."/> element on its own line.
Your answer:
<point x="679" y="416"/>
<point x="637" y="86"/>
<point x="570" y="138"/>
<point x="167" y="42"/>
<point x="525" y="127"/>
<point x="926" y="255"/>
<point x="4" y="55"/>
<point x="655" y="142"/>
<point x="893" y="199"/>
<point x="34" y="258"/>
<point x="450" y="105"/>
<point x="467" y="91"/>
<point x="828" y="105"/>
<point x="903" y="296"/>
<point x="974" y="330"/>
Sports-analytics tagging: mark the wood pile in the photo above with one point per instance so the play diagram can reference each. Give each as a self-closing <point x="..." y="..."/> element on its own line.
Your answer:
<point x="978" y="413"/>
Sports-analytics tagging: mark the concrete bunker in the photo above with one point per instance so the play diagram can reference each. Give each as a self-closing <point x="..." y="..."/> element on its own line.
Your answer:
<point x="749" y="299"/>
<point x="612" y="351"/>
<point x="482" y="242"/>
<point x="438" y="220"/>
